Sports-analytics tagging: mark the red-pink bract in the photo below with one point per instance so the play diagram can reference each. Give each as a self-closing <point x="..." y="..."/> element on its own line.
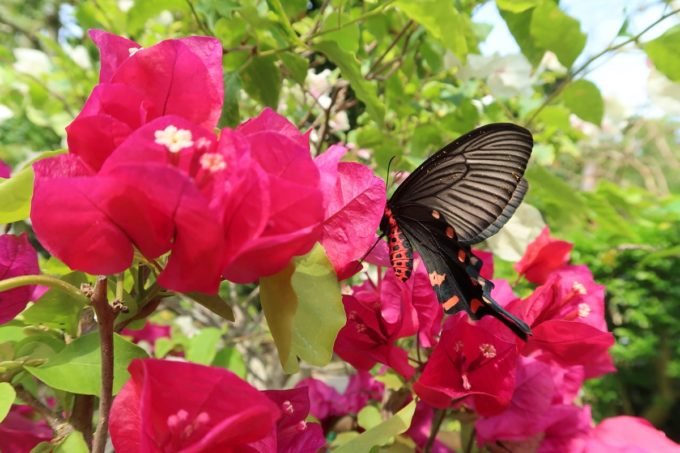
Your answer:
<point x="181" y="406"/>
<point x="413" y="304"/>
<point x="543" y="255"/>
<point x="367" y="338"/>
<point x="292" y="433"/>
<point x="5" y="170"/>
<point x="147" y="195"/>
<point x="487" y="263"/>
<point x="296" y="208"/>
<point x="19" y="433"/>
<point x="630" y="435"/>
<point x="470" y="365"/>
<point x="354" y="206"/>
<point x="175" y="77"/>
<point x="17" y="257"/>
<point x="149" y="333"/>
<point x="567" y="430"/>
<point x="566" y="316"/>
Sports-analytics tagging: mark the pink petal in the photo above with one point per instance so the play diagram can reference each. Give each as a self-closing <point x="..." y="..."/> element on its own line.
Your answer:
<point x="114" y="50"/>
<point x="543" y="256"/>
<point x="270" y="121"/>
<point x="629" y="434"/>
<point x="17" y="257"/>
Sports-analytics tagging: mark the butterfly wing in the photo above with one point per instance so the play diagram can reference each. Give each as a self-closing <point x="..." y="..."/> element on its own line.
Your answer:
<point x="453" y="269"/>
<point x="475" y="181"/>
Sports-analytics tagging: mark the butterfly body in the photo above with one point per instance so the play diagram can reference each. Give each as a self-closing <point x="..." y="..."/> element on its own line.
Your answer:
<point x="459" y="196"/>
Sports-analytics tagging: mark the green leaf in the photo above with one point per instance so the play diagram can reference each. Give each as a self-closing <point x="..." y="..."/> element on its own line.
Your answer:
<point x="585" y="100"/>
<point x="77" y="367"/>
<point x="441" y="20"/>
<point x="11" y="333"/>
<point x="304" y="311"/>
<point x="517" y="6"/>
<point x="7" y="397"/>
<point x="203" y="346"/>
<point x="555" y="116"/>
<point x="349" y="67"/>
<point x="57" y="309"/>
<point x="214" y="303"/>
<point x="556" y="198"/>
<point x="231" y="115"/>
<point x="369" y="417"/>
<point x="553" y="30"/>
<point x="296" y="66"/>
<point x="15" y="196"/>
<point x="262" y="80"/>
<point x="519" y="25"/>
<point x="232" y="360"/>
<point x="143" y="10"/>
<point x="382" y="433"/>
<point x="664" y="52"/>
<point x="346" y="37"/>
<point x="74" y="443"/>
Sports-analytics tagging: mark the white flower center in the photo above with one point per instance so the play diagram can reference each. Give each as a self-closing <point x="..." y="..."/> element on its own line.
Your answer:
<point x="174" y="139"/>
<point x="488" y="350"/>
<point x="213" y="162"/>
<point x="583" y="310"/>
<point x="579" y="288"/>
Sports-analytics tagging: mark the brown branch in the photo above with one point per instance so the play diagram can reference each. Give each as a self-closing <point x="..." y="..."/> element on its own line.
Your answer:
<point x="106" y="316"/>
<point x="57" y="423"/>
<point x="372" y="70"/>
<point x="81" y="416"/>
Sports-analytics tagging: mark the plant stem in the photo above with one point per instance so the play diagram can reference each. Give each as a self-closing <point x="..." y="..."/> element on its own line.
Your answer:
<point x="439" y="416"/>
<point x="46" y="280"/>
<point x="105" y="318"/>
<point x="81" y="416"/>
<point x="55" y="422"/>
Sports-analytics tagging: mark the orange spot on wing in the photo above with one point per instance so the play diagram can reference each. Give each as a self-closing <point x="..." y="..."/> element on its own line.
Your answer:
<point x="436" y="279"/>
<point x="461" y="255"/>
<point x="450" y="233"/>
<point x="449" y="304"/>
<point x="436" y="214"/>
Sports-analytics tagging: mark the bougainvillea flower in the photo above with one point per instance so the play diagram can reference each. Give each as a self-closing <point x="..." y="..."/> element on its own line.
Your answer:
<point x="354" y="204"/>
<point x="543" y="255"/>
<point x="527" y="414"/>
<point x="149" y="333"/>
<point x="5" y="170"/>
<point x="487" y="263"/>
<point x="175" y="77"/>
<point x="150" y="195"/>
<point x="629" y="434"/>
<point x="296" y="201"/>
<point x="217" y="410"/>
<point x="19" y="433"/>
<point x="17" y="257"/>
<point x="292" y="433"/>
<point x="568" y="429"/>
<point x="566" y="316"/>
<point x="470" y="365"/>
<point x="413" y="304"/>
<point x="326" y="402"/>
<point x="367" y="338"/>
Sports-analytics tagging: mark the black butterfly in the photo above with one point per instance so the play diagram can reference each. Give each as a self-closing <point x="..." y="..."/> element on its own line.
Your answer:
<point x="461" y="195"/>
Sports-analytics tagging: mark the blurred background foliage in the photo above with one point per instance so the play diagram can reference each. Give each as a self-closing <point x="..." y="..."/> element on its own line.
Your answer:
<point x="400" y="77"/>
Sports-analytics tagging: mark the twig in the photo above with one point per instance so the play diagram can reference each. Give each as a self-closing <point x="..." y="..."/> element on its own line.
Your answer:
<point x="558" y="90"/>
<point x="200" y="23"/>
<point x="57" y="423"/>
<point x="382" y="56"/>
<point x="106" y="315"/>
<point x="439" y="416"/>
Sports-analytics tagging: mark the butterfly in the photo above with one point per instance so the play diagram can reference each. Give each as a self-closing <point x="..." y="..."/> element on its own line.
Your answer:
<point x="461" y="195"/>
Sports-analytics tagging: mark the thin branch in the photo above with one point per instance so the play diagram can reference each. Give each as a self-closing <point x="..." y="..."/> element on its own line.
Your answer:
<point x="198" y="20"/>
<point x="382" y="56"/>
<point x="57" y="423"/>
<point x="439" y="416"/>
<point x="106" y="316"/>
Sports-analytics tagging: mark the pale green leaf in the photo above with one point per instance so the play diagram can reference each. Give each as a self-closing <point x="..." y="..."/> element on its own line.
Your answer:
<point x="664" y="52"/>
<point x="203" y="346"/>
<point x="517" y="6"/>
<point x="554" y="30"/>
<point x="349" y="68"/>
<point x="382" y="433"/>
<point x="585" y="100"/>
<point x="74" y="443"/>
<point x="519" y="25"/>
<point x="77" y="367"/>
<point x="232" y="360"/>
<point x="7" y="397"/>
<point x="15" y="196"/>
<point x="441" y="20"/>
<point x="347" y="37"/>
<point x="369" y="417"/>
<point x="143" y="10"/>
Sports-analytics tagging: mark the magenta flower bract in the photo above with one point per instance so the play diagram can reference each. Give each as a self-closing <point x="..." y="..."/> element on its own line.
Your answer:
<point x="5" y="170"/>
<point x="543" y="255"/>
<point x="181" y="406"/>
<point x="20" y="433"/>
<point x="17" y="257"/>
<point x="470" y="365"/>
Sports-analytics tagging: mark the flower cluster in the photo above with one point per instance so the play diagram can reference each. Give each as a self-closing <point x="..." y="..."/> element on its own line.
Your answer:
<point x="520" y="392"/>
<point x="145" y="172"/>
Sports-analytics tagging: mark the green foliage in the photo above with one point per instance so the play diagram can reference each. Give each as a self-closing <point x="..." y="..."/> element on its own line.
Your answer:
<point x="584" y="99"/>
<point x="382" y="433"/>
<point x="15" y="196"/>
<point x="553" y="30"/>
<point x="7" y="396"/>
<point x="664" y="52"/>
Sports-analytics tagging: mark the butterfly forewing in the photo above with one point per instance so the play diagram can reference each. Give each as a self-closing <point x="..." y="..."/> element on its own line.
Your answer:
<point x="472" y="181"/>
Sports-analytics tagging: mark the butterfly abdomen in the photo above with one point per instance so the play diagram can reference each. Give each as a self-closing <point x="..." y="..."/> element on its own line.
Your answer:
<point x="401" y="252"/>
